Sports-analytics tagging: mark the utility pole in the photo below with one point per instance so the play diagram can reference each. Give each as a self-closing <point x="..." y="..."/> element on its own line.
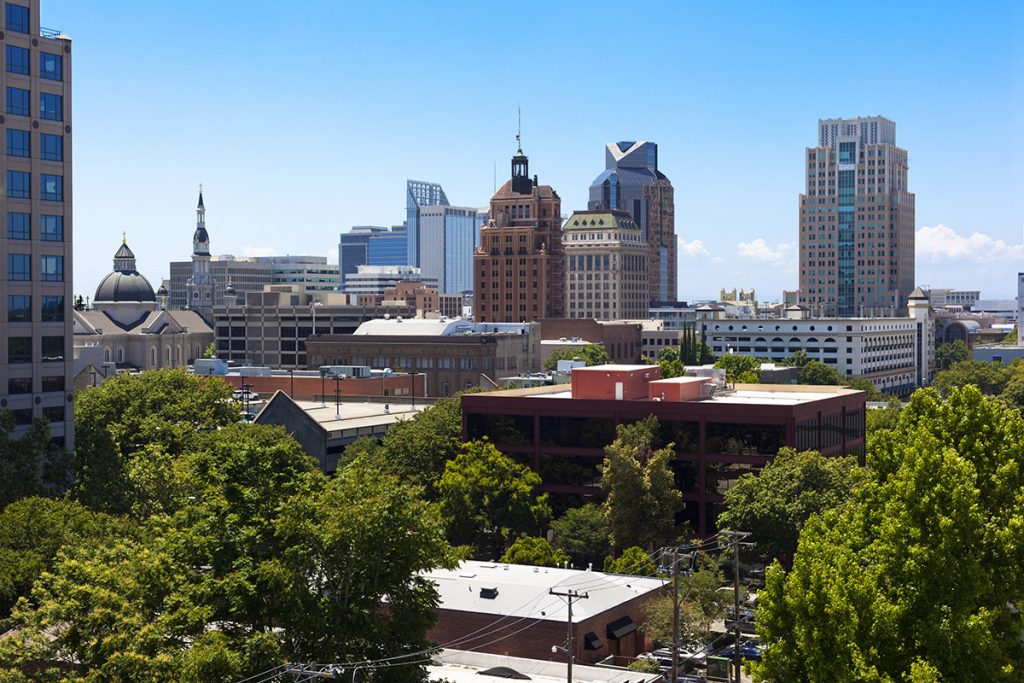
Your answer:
<point x="735" y="537"/>
<point x="675" y="615"/>
<point x="569" y="596"/>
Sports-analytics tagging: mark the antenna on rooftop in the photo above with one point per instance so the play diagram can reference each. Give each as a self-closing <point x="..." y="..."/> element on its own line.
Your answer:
<point x="519" y="128"/>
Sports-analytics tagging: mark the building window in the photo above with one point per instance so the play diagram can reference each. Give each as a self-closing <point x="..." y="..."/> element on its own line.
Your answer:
<point x="52" y="268"/>
<point x="51" y="187"/>
<point x="51" y="107"/>
<point x="53" y="383"/>
<point x="51" y="66"/>
<point x="19" y="349"/>
<point x="51" y="228"/>
<point x="19" y="385"/>
<point x="17" y="100"/>
<point x="17" y="18"/>
<point x="53" y="309"/>
<point x="17" y="60"/>
<point x="18" y="226"/>
<point x="53" y="349"/>
<point x="19" y="308"/>
<point x="18" y="185"/>
<point x="17" y="143"/>
<point x="54" y="413"/>
<point x="51" y="147"/>
<point x="19" y="267"/>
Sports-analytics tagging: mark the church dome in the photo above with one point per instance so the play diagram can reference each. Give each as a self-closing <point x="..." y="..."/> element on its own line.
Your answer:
<point x="125" y="283"/>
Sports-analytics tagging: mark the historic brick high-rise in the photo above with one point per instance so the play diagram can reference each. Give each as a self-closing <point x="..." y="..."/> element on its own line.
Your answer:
<point x="35" y="349"/>
<point x="856" y="221"/>
<point x="632" y="182"/>
<point x="519" y="267"/>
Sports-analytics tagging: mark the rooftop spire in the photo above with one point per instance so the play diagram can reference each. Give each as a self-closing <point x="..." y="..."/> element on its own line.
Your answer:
<point x="519" y="130"/>
<point x="200" y="205"/>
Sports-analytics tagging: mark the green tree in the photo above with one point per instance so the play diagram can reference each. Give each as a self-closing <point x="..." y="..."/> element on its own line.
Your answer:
<point x="670" y="363"/>
<point x="741" y="369"/>
<point x="351" y="570"/>
<point x="888" y="417"/>
<point x="950" y="354"/>
<point x="591" y="354"/>
<point x="210" y="351"/>
<point x="991" y="378"/>
<point x="633" y="561"/>
<point x="865" y="385"/>
<point x="874" y="595"/>
<point x="32" y="531"/>
<point x="487" y="499"/>
<point x="642" y="499"/>
<point x="583" y="533"/>
<point x="1011" y="336"/>
<point x="816" y="372"/>
<point x="797" y="360"/>
<point x="418" y="449"/>
<point x="700" y="604"/>
<point x="29" y="464"/>
<point x="776" y="502"/>
<point x="536" y="551"/>
<point x="159" y="413"/>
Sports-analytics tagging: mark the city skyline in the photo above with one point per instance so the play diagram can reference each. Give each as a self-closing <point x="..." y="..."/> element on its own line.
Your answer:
<point x="733" y="118"/>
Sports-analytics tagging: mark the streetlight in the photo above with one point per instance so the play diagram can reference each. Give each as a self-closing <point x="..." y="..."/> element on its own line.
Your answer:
<point x="412" y="376"/>
<point x="323" y="392"/>
<point x="337" y="396"/>
<point x="291" y="377"/>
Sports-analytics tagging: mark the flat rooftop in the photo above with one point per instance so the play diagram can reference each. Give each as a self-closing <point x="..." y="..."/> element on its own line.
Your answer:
<point x="522" y="590"/>
<point x="744" y="394"/>
<point x="463" y="666"/>
<point x="355" y="415"/>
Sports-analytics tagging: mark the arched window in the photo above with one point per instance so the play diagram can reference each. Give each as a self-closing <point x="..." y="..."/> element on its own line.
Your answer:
<point x="152" y="356"/>
<point x="167" y="356"/>
<point x="120" y="354"/>
<point x="106" y="354"/>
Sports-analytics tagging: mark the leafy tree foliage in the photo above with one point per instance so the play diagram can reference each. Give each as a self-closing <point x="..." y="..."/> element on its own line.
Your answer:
<point x="741" y="369"/>
<point x="591" y="354"/>
<point x="952" y="353"/>
<point x="700" y="604"/>
<point x="797" y="360"/>
<point x="816" y="372"/>
<point x="583" y="533"/>
<point x="633" y="561"/>
<point x="29" y="464"/>
<point x="865" y="385"/>
<point x="536" y="551"/>
<point x="776" y="502"/>
<point x="918" y="577"/>
<point x="991" y="378"/>
<point x="487" y="499"/>
<point x="417" y="450"/>
<point x="642" y="498"/>
<point x="32" y="531"/>
<point x="883" y="418"/>
<point x="136" y="417"/>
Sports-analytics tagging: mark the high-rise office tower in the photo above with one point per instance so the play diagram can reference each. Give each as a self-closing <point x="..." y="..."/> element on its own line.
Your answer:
<point x="606" y="261"/>
<point x="36" y="358"/>
<point x="519" y="268"/>
<point x="632" y="182"/>
<point x="441" y="238"/>
<point x="856" y="221"/>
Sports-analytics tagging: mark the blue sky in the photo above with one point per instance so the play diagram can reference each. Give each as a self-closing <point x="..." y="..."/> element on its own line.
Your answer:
<point x="303" y="119"/>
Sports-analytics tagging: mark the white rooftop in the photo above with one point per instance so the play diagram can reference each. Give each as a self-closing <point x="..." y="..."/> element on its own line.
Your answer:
<point x="356" y="415"/>
<point x="463" y="666"/>
<point x="434" y="327"/>
<point x="522" y="590"/>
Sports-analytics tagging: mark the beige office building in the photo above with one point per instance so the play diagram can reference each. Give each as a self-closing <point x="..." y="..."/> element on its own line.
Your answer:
<point x="856" y="222"/>
<point x="35" y="358"/>
<point x="606" y="259"/>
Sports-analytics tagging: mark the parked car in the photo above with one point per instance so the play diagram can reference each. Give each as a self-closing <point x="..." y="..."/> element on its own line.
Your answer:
<point x="749" y="649"/>
<point x="245" y="395"/>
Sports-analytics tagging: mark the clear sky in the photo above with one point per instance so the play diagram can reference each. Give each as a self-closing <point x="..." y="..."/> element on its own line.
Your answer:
<point x="302" y="119"/>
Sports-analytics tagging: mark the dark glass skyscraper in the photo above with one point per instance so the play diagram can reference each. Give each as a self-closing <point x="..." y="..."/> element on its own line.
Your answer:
<point x="632" y="182"/>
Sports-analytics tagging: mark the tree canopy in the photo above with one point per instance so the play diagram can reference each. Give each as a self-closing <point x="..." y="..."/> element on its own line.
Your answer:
<point x="642" y="499"/>
<point x="29" y="464"/>
<point x="633" y="561"/>
<point x="917" y="578"/>
<point x="950" y="354"/>
<point x="487" y="499"/>
<point x="774" y="503"/>
<point x="700" y="603"/>
<point x="536" y="551"/>
<point x="816" y="372"/>
<point x="591" y="354"/>
<point x="583" y="533"/>
<point x="741" y="369"/>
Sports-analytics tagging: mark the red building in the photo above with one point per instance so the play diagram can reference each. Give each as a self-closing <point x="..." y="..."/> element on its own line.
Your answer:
<point x="720" y="433"/>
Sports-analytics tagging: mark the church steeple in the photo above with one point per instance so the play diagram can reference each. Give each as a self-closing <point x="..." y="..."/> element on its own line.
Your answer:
<point x="124" y="259"/>
<point x="201" y="239"/>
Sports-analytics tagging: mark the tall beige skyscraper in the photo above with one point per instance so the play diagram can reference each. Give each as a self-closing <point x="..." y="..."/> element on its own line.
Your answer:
<point x="856" y="221"/>
<point x="607" y="268"/>
<point x="35" y="348"/>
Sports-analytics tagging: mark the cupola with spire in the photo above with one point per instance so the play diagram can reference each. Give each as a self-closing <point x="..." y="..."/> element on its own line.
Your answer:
<point x="125" y="283"/>
<point x="201" y="239"/>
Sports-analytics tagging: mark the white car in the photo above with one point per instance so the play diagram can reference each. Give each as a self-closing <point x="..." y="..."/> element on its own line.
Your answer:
<point x="245" y="395"/>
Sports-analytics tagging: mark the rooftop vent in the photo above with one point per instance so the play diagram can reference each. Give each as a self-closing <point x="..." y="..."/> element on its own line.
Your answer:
<point x="488" y="593"/>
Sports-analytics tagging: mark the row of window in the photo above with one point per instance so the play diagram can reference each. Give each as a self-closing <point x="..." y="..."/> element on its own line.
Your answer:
<point x="19" y="186"/>
<point x="19" y="268"/>
<point x="19" y="308"/>
<point x="19" y="227"/>
<point x="23" y="385"/>
<point x="19" y="349"/>
<point x="51" y="66"/>
<point x="51" y="106"/>
<point x="19" y="144"/>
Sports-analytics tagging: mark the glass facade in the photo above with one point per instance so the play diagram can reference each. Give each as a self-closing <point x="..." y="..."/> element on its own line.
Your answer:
<point x="16" y="18"/>
<point x="51" y="66"/>
<point x="388" y="248"/>
<point x="51" y="147"/>
<point x="18" y="143"/>
<point x="846" y="286"/>
<point x="51" y="107"/>
<point x="17" y="60"/>
<point x="18" y="226"/>
<point x="17" y="100"/>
